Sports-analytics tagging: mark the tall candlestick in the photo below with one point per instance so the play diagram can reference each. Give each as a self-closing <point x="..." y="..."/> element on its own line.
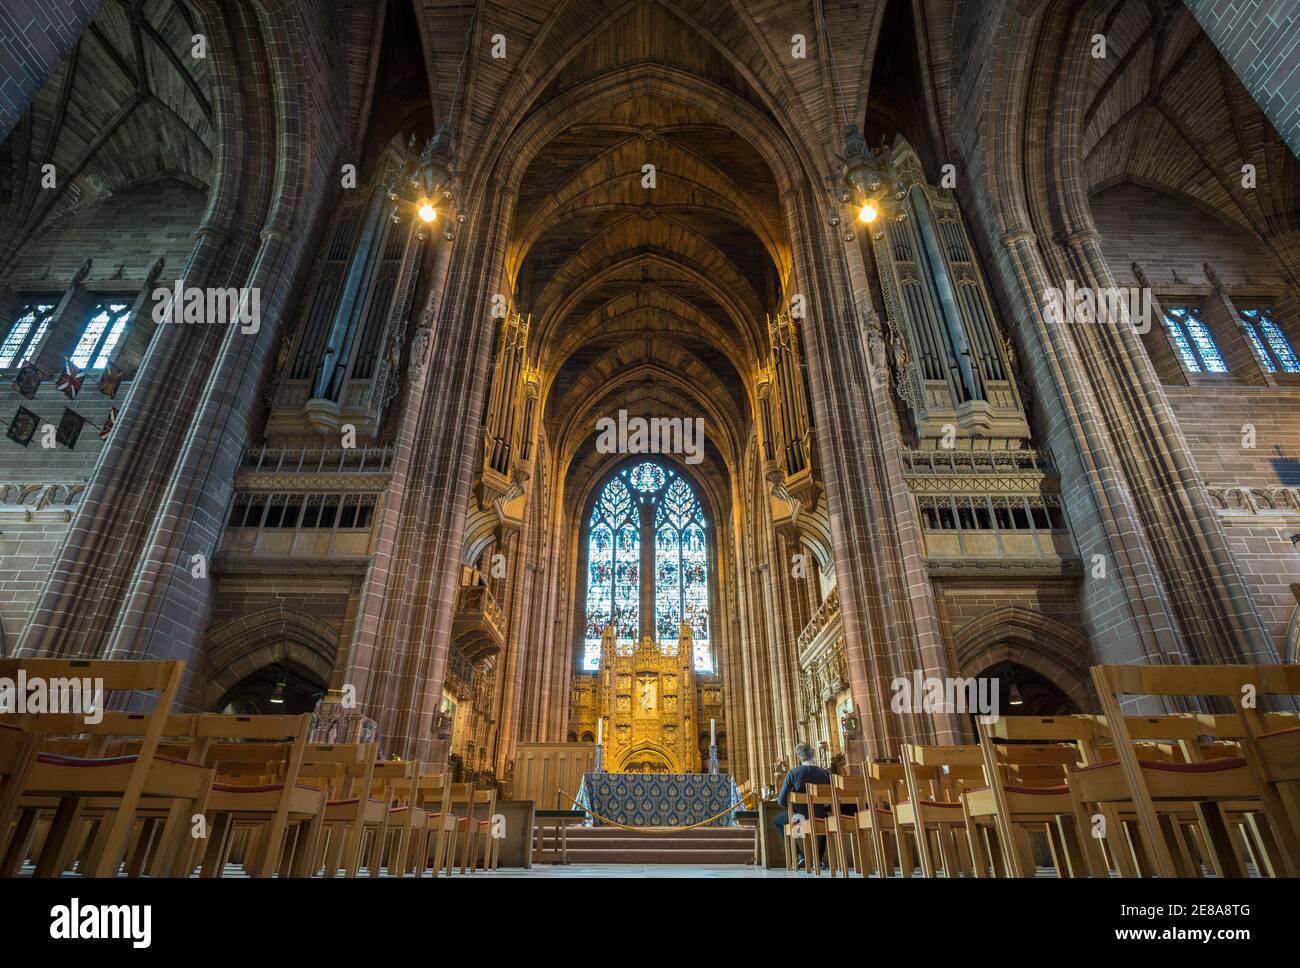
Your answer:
<point x="600" y="731"/>
<point x="713" y="739"/>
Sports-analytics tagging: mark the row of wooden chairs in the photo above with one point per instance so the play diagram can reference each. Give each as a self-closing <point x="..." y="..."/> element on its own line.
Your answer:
<point x="1168" y="795"/>
<point x="167" y="795"/>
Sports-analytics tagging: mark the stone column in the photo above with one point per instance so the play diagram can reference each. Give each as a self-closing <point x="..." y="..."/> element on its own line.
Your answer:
<point x="886" y="602"/>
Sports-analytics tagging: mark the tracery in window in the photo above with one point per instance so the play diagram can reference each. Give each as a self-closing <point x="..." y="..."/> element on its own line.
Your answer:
<point x="681" y="562"/>
<point x="104" y="327"/>
<point x="1270" y="342"/>
<point x="27" y="333"/>
<point x="1191" y="337"/>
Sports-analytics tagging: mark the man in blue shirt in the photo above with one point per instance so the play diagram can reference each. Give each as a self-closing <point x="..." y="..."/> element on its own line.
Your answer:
<point x="804" y="773"/>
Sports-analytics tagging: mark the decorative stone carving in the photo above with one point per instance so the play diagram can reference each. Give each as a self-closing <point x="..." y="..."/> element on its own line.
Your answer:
<point x="420" y="344"/>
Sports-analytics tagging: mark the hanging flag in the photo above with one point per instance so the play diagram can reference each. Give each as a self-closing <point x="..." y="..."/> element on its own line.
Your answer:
<point x="111" y="380"/>
<point x="70" y="428"/>
<point x="107" y="429"/>
<point x="23" y="427"/>
<point x="70" y="380"/>
<point x="28" y="379"/>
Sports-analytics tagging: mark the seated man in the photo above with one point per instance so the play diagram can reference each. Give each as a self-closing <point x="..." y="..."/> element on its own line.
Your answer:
<point x="804" y="773"/>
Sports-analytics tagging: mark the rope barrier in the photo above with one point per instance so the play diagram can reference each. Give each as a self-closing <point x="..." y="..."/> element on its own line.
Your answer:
<point x="742" y="802"/>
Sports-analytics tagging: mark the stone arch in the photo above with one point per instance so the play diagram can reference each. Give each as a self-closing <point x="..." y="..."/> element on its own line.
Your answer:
<point x="239" y="647"/>
<point x="643" y="751"/>
<point x="1042" y="644"/>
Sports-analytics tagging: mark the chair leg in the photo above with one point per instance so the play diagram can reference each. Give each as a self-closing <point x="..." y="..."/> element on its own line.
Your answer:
<point x="439" y="847"/>
<point x="1268" y="853"/>
<point x="214" y="857"/>
<point x="1219" y="842"/>
<point x="50" y="862"/>
<point x="336" y="838"/>
<point x="143" y="845"/>
<point x="352" y="851"/>
<point x="1073" y="849"/>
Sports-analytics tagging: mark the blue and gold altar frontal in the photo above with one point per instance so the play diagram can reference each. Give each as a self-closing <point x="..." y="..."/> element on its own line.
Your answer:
<point x="660" y="799"/>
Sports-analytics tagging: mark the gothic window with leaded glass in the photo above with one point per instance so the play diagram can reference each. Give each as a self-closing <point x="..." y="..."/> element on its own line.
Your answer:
<point x="676" y="529"/>
<point x="1193" y="341"/>
<point x="105" y="324"/>
<point x="1271" y="344"/>
<point x="23" y="341"/>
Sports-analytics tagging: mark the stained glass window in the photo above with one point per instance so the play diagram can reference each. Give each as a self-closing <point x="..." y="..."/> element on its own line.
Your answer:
<point x="613" y="562"/>
<point x="1191" y="337"/>
<point x="681" y="562"/>
<point x="27" y="333"/>
<point x="104" y="328"/>
<point x="1270" y="342"/>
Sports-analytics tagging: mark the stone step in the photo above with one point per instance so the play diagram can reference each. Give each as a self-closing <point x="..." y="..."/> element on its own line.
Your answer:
<point x="613" y="845"/>
<point x="622" y="855"/>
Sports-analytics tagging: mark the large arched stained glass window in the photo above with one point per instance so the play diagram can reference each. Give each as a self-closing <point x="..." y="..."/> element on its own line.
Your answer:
<point x="682" y="570"/>
<point x="681" y="562"/>
<point x="613" y="570"/>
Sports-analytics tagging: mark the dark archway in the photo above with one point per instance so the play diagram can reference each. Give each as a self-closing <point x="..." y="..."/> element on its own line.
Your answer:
<point x="283" y="688"/>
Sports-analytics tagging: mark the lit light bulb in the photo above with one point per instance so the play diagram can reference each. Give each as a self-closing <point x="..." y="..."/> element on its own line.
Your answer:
<point x="427" y="212"/>
<point x="868" y="213"/>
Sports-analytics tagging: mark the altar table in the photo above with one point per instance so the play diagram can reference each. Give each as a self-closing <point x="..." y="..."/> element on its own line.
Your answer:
<point x="660" y="799"/>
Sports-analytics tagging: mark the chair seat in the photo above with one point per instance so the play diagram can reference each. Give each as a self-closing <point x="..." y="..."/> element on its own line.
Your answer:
<point x="1227" y="778"/>
<point x="234" y="799"/>
<point x="932" y="812"/>
<point x="60" y="759"/>
<point x="885" y="813"/>
<point x="343" y="811"/>
<point x="55" y="774"/>
<point x="1021" y="801"/>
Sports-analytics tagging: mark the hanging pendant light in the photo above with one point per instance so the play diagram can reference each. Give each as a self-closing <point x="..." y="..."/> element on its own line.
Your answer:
<point x="277" y="694"/>
<point x="1013" y="697"/>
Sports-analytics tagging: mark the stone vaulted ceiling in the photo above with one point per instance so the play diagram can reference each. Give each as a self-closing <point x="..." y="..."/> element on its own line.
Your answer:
<point x="130" y="104"/>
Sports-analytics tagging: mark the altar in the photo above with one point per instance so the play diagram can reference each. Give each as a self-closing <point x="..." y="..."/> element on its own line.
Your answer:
<point x="660" y="799"/>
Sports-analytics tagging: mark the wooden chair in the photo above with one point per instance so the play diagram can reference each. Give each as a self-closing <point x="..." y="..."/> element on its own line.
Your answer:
<point x="1255" y="836"/>
<point x="848" y="799"/>
<point x="479" y="830"/>
<point x="1186" y="738"/>
<point x="407" y="821"/>
<point x="933" y="812"/>
<point x="460" y="801"/>
<point x="346" y="771"/>
<point x="798" y="813"/>
<point x="885" y="782"/>
<point x="120" y="782"/>
<point x="1206" y="785"/>
<point x="1037" y="799"/>
<point x="259" y="760"/>
<point x="1278" y="754"/>
<point x="115" y="734"/>
<point x="433" y="796"/>
<point x="818" y="799"/>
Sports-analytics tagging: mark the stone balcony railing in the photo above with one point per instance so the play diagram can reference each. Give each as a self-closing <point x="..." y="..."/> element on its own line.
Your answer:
<point x="478" y="628"/>
<point x="317" y="460"/>
<point x="824" y="624"/>
<point x="979" y="471"/>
